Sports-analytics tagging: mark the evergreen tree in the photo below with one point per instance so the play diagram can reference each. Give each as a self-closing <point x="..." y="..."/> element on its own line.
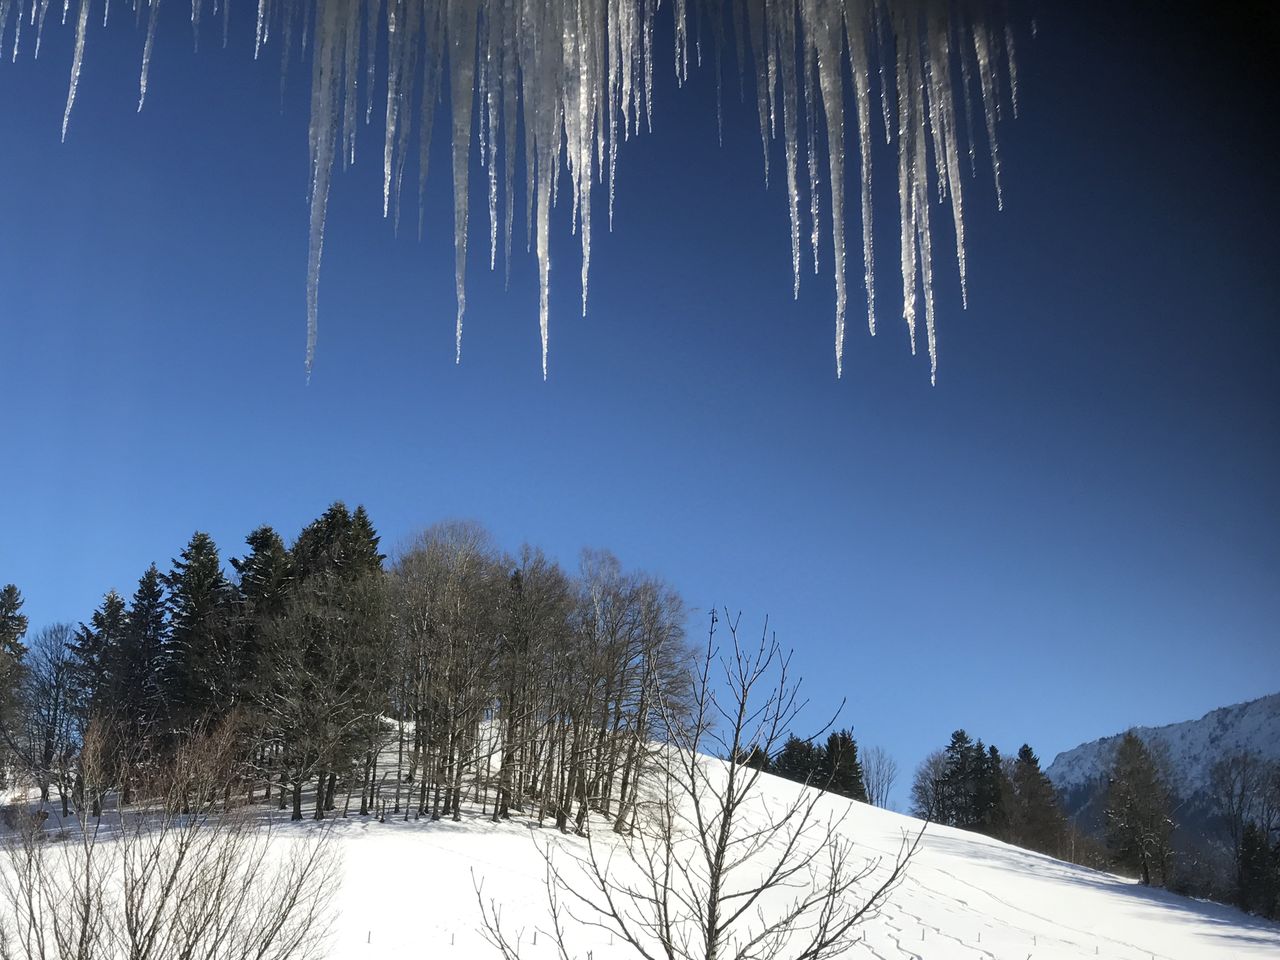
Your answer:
<point x="13" y="624"/>
<point x="992" y="793"/>
<point x="200" y="665"/>
<point x="755" y="758"/>
<point x="338" y="542"/>
<point x="1035" y="818"/>
<point x="1259" y="872"/>
<point x="96" y="651"/>
<point x="141" y="662"/>
<point x="13" y="627"/>
<point x="840" y="769"/>
<point x="957" y="794"/>
<point x="799" y="760"/>
<point x="265" y="576"/>
<point x="1138" y="821"/>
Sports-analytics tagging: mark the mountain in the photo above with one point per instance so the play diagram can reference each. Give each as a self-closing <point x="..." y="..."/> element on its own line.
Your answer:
<point x="1192" y="748"/>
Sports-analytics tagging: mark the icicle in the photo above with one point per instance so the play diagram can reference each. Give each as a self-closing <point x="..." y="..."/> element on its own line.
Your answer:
<point x="77" y="61"/>
<point x="567" y="81"/>
<point x="856" y="28"/>
<point x="826" y="31"/>
<point x="790" y="137"/>
<point x="462" y="71"/>
<point x="152" y="17"/>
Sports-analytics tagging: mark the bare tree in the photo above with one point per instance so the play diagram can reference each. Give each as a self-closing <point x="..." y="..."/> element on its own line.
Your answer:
<point x="1242" y="790"/>
<point x="879" y="773"/>
<point x="43" y="737"/>
<point x="178" y="875"/>
<point x="716" y="870"/>
<point x="926" y="785"/>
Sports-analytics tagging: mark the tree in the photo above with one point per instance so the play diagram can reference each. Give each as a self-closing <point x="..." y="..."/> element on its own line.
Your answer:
<point x="47" y="738"/>
<point x="13" y="623"/>
<point x="799" y="760"/>
<point x="96" y="651"/>
<point x="141" y="661"/>
<point x="718" y="874"/>
<point x="1138" y="818"/>
<point x="265" y="577"/>
<point x="200" y="660"/>
<point x="926" y="786"/>
<point x="13" y="627"/>
<point x="1238" y="787"/>
<point x="1258" y="873"/>
<point x="1035" y="819"/>
<point x="841" y="770"/>
<point x="880" y="772"/>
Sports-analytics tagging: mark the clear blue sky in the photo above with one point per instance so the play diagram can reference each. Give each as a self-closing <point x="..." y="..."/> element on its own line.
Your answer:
<point x="1075" y="531"/>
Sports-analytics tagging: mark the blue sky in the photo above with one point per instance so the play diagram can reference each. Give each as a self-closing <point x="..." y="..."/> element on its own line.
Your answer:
<point x="1075" y="531"/>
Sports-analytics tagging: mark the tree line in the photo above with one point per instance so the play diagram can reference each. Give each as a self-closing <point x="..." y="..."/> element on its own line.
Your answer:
<point x="1131" y="822"/>
<point x="973" y="786"/>
<point x="500" y="675"/>
<point x="320" y="674"/>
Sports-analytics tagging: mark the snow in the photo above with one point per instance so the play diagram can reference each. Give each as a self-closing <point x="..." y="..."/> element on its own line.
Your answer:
<point x="408" y="890"/>
<point x="1192" y="746"/>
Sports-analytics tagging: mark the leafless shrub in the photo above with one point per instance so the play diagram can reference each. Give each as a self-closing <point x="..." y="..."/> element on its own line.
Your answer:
<point x="177" y="874"/>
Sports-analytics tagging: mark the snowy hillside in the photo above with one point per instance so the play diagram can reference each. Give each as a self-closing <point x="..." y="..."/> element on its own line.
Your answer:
<point x="408" y="891"/>
<point x="1193" y="746"/>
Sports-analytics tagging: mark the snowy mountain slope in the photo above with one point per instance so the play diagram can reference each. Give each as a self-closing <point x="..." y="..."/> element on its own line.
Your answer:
<point x="407" y="891"/>
<point x="1193" y="746"/>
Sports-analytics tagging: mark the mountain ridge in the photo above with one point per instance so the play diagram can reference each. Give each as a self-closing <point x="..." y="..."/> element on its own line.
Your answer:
<point x="1192" y="748"/>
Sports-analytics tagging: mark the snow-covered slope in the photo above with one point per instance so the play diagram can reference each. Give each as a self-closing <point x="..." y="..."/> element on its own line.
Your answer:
<point x="407" y="891"/>
<point x="1192" y="746"/>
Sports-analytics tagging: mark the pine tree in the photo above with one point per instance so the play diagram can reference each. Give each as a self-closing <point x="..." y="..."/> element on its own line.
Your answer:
<point x="840" y="769"/>
<point x="13" y="627"/>
<point x="755" y="758"/>
<point x="1138" y="821"/>
<point x="1035" y="819"/>
<point x="1259" y="873"/>
<point x="338" y="542"/>
<point x="200" y="665"/>
<point x="13" y="624"/>
<point x="957" y="794"/>
<point x="799" y="760"/>
<point x="992" y="793"/>
<point x="141" y="663"/>
<point x="265" y="576"/>
<point x="96" y="651"/>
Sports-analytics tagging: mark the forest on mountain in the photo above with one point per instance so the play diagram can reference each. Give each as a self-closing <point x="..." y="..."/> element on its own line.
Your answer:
<point x="1235" y="860"/>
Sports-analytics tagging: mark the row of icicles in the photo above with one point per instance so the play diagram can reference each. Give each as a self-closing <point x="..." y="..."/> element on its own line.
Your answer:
<point x="564" y="81"/>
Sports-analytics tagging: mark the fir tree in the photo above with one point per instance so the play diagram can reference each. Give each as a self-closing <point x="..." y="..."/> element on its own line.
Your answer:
<point x="840" y="768"/>
<point x="200" y="662"/>
<point x="13" y="623"/>
<point x="956" y="800"/>
<point x="96" y="652"/>
<point x="13" y="627"/>
<point x="1138" y="820"/>
<point x="1259" y="873"/>
<point x="992" y="793"/>
<point x="755" y="758"/>
<point x="799" y="760"/>
<point x="1035" y="819"/>
<point x="141" y="664"/>
<point x="338" y="542"/>
<point x="265" y="576"/>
